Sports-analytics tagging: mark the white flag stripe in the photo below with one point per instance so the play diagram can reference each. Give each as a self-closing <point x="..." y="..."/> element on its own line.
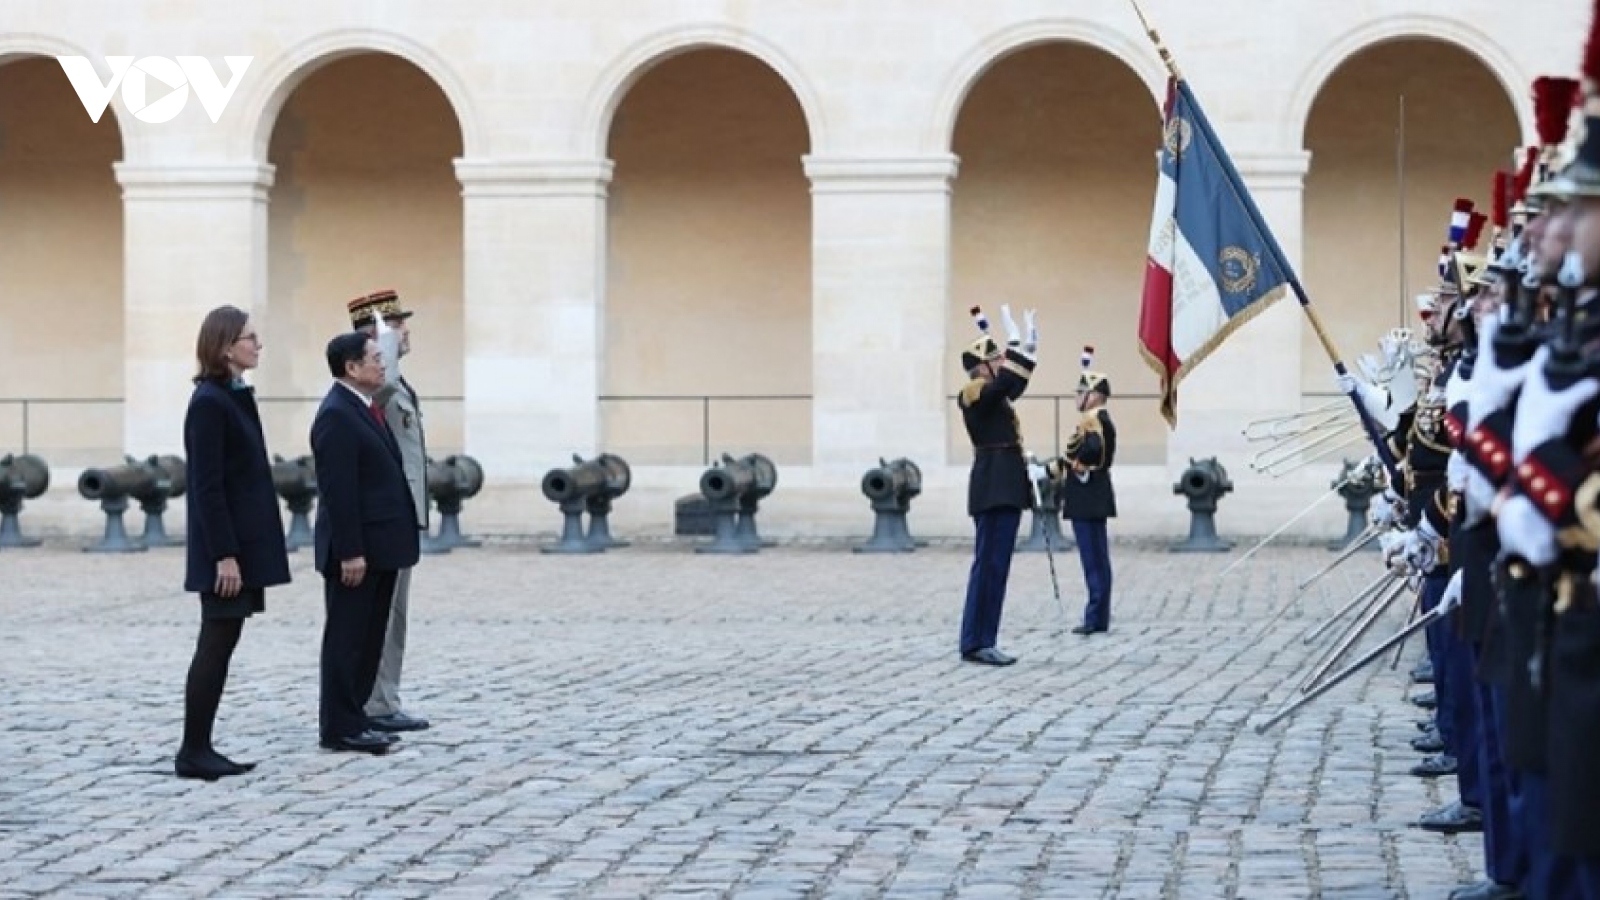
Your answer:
<point x="1197" y="311"/>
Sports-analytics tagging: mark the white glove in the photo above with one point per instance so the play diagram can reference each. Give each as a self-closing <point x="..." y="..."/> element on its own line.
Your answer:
<point x="1385" y="510"/>
<point x="1457" y="389"/>
<point x="1525" y="532"/>
<point x="1456" y="471"/>
<point x="1013" y="333"/>
<point x="1030" y="344"/>
<point x="1372" y="399"/>
<point x="1391" y="545"/>
<point x="389" y="349"/>
<point x="1422" y="548"/>
<point x="1479" y="496"/>
<point x="1492" y="384"/>
<point x="1451" y="598"/>
<point x="1544" y="413"/>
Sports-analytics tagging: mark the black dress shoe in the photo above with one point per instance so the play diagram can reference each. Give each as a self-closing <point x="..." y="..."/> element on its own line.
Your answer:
<point x="1486" y="890"/>
<point x="396" y="721"/>
<point x="204" y="766"/>
<point x="1435" y="766"/>
<point x="1428" y="743"/>
<point x="1086" y="630"/>
<point x="988" y="656"/>
<point x="365" y="742"/>
<point x="1452" y="818"/>
<point x="1422" y="674"/>
<point x="1426" y="701"/>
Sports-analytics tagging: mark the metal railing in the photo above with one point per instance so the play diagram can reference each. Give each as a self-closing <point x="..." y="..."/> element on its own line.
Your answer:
<point x="702" y="404"/>
<point x="26" y="405"/>
<point x="784" y="436"/>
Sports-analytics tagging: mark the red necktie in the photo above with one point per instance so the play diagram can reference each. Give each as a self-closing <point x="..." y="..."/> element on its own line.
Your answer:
<point x="377" y="413"/>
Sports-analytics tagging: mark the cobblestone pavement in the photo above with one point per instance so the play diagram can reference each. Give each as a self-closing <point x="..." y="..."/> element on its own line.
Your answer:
<point x="653" y="723"/>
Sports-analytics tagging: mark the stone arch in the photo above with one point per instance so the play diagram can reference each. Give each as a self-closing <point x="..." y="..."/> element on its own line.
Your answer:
<point x="992" y="49"/>
<point x="1416" y="26"/>
<point x="23" y="44"/>
<point x="619" y="77"/>
<point x="283" y="74"/>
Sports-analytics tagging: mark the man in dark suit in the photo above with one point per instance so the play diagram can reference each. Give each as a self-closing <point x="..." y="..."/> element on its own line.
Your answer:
<point x="999" y="488"/>
<point x="366" y="532"/>
<point x="1087" y="496"/>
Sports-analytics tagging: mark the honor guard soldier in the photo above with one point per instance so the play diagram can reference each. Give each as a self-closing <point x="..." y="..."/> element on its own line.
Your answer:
<point x="999" y="487"/>
<point x="1550" y="522"/>
<point x="1087" y="496"/>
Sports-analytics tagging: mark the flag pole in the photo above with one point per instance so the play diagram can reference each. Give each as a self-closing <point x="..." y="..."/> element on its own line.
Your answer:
<point x="1367" y="423"/>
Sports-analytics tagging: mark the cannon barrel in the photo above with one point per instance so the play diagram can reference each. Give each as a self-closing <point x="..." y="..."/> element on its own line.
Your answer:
<point x="900" y="479"/>
<point x="583" y="480"/>
<point x="1203" y="478"/>
<point x="468" y="474"/>
<point x="25" y="476"/>
<point x="129" y="480"/>
<point x="731" y="480"/>
<point x="294" y="477"/>
<point x="172" y="469"/>
<point x="619" y="476"/>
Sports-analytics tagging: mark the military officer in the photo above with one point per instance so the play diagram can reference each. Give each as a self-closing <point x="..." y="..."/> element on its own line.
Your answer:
<point x="999" y="487"/>
<point x="1088" y="498"/>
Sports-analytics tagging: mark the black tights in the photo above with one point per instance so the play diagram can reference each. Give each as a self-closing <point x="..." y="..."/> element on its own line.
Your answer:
<point x="208" y="674"/>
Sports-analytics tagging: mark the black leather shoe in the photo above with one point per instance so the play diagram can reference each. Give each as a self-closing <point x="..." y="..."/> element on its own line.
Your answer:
<point x="1426" y="701"/>
<point x="1428" y="743"/>
<point x="204" y="766"/>
<point x="365" y="742"/>
<point x="397" y="721"/>
<point x="1452" y="818"/>
<point x="1426" y="725"/>
<point x="988" y="656"/>
<point x="1435" y="766"/>
<point x="1422" y="674"/>
<point x="1085" y="630"/>
<point x="1486" y="890"/>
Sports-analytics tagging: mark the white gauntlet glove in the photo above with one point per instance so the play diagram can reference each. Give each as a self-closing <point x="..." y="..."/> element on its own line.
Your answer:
<point x="1525" y="532"/>
<point x="1451" y="598"/>
<point x="389" y="349"/>
<point x="1013" y="333"/>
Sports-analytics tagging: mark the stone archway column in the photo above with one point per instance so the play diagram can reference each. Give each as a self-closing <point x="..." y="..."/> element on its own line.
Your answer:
<point x="195" y="238"/>
<point x="535" y="259"/>
<point x="1256" y="372"/>
<point x="881" y="287"/>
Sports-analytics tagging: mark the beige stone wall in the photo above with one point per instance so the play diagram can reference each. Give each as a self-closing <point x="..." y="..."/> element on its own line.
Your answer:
<point x="364" y="199"/>
<point x="1459" y="127"/>
<point x="60" y="268"/>
<point x="1052" y="211"/>
<point x="569" y="196"/>
<point x="708" y="275"/>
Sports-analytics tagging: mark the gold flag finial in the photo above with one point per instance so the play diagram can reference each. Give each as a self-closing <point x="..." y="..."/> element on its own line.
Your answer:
<point x="1155" y="38"/>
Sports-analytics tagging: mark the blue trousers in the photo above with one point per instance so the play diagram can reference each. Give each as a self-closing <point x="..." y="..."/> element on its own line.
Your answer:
<point x="986" y="584"/>
<point x="1505" y="846"/>
<point x="1550" y="877"/>
<point x="1437" y="635"/>
<point x="1094" y="552"/>
<point x="1461" y="687"/>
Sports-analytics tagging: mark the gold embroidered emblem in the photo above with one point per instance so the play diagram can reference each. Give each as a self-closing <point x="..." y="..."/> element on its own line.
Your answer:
<point x="1239" y="269"/>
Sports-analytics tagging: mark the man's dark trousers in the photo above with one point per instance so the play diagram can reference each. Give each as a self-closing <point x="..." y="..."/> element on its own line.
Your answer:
<point x="986" y="585"/>
<point x="352" y="647"/>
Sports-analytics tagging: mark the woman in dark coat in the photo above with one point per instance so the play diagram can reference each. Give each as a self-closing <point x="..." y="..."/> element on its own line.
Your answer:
<point x="236" y="544"/>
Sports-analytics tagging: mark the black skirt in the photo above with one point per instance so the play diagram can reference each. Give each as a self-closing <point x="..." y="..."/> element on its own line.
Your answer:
<point x="242" y="605"/>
